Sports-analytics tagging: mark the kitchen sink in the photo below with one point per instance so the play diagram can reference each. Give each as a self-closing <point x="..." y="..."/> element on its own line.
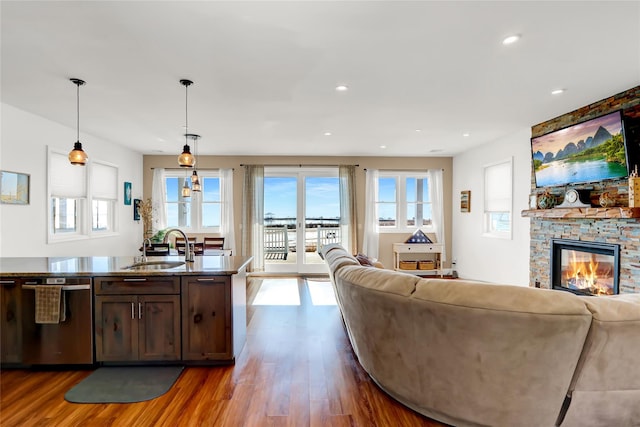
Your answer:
<point x="154" y="265"/>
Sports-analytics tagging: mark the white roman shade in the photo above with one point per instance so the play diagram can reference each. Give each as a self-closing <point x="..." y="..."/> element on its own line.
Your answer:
<point x="104" y="181"/>
<point x="497" y="185"/>
<point x="66" y="180"/>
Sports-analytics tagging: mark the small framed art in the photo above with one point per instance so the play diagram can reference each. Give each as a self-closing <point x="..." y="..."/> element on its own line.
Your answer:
<point x="465" y="201"/>
<point x="14" y="188"/>
<point x="127" y="193"/>
<point x="136" y="211"/>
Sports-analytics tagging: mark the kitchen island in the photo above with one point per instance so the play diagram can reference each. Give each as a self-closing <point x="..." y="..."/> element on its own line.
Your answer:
<point x="161" y="311"/>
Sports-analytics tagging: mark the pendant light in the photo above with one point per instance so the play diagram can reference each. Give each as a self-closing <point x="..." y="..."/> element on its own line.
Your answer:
<point x="186" y="191"/>
<point x="186" y="160"/>
<point x="195" y="180"/>
<point x="77" y="156"/>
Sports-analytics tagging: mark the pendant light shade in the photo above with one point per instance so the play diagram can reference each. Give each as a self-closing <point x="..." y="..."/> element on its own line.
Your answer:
<point x="195" y="179"/>
<point x="186" y="159"/>
<point x="77" y="156"/>
<point x="195" y="182"/>
<point x="186" y="191"/>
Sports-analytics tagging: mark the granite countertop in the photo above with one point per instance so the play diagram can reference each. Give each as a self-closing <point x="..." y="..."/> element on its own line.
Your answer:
<point x="212" y="265"/>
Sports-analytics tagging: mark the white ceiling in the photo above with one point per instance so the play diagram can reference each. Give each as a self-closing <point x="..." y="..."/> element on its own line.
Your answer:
<point x="265" y="72"/>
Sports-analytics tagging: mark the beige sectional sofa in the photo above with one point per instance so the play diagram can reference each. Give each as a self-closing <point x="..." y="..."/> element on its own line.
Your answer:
<point x="476" y="354"/>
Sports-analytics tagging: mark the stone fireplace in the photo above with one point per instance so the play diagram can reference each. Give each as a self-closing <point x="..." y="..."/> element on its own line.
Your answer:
<point x="622" y="232"/>
<point x="618" y="226"/>
<point x="585" y="268"/>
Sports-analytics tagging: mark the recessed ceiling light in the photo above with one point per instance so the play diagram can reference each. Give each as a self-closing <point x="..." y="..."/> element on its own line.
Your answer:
<point x="511" y="39"/>
<point x="435" y="150"/>
<point x="557" y="91"/>
<point x="327" y="134"/>
<point x="418" y="130"/>
<point x="466" y="134"/>
<point x="161" y="140"/>
<point x="342" y="88"/>
<point x="383" y="146"/>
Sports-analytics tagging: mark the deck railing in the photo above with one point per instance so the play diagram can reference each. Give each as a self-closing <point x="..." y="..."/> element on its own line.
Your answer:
<point x="279" y="235"/>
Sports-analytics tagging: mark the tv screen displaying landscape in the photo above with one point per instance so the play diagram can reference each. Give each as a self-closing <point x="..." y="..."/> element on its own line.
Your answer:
<point x="586" y="152"/>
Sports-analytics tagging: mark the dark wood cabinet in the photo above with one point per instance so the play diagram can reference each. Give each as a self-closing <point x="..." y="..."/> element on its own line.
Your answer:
<point x="142" y="323"/>
<point x="10" y="323"/>
<point x="206" y="318"/>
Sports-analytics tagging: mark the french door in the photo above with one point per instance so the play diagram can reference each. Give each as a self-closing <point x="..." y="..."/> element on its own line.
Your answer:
<point x="302" y="213"/>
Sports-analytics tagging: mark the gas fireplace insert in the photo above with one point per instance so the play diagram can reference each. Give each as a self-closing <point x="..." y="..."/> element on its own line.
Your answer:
<point x="585" y="268"/>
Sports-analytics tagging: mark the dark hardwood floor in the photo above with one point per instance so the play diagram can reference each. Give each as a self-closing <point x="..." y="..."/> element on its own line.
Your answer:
<point x="296" y="369"/>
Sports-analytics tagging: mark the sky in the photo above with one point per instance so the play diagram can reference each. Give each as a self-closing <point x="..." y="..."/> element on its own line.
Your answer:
<point x="322" y="197"/>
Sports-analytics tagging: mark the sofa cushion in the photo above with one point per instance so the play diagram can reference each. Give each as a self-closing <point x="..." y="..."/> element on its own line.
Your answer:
<point x="496" y="354"/>
<point x="606" y="386"/>
<point x="375" y="306"/>
<point x="336" y="257"/>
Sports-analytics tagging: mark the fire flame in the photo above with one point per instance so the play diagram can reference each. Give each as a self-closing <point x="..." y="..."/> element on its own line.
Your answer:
<point x="584" y="276"/>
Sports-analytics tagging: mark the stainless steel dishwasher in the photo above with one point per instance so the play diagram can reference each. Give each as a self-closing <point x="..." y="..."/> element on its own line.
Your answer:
<point x="66" y="343"/>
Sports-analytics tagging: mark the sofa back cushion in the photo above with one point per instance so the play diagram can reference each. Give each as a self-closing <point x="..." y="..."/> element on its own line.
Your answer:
<point x="380" y="326"/>
<point x="606" y="386"/>
<point x="496" y="354"/>
<point x="336" y="257"/>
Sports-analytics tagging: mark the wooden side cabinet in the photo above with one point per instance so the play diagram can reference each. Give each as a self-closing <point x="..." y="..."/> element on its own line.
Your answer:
<point x="136" y="326"/>
<point x="206" y="318"/>
<point x="11" y="321"/>
<point x="413" y="254"/>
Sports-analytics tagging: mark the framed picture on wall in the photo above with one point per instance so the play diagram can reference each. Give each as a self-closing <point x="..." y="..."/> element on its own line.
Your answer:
<point x="127" y="193"/>
<point x="14" y="188"/>
<point x="465" y="201"/>
<point x="136" y="211"/>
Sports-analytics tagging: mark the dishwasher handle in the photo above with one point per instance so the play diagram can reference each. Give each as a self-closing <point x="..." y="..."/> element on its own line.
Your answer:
<point x="64" y="287"/>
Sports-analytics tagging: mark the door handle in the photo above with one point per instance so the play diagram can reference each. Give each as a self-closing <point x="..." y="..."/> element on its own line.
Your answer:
<point x="139" y="310"/>
<point x="133" y="314"/>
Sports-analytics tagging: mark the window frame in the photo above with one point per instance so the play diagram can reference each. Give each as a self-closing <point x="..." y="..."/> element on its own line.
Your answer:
<point x="402" y="202"/>
<point x="84" y="203"/>
<point x="195" y="202"/>
<point x="487" y="220"/>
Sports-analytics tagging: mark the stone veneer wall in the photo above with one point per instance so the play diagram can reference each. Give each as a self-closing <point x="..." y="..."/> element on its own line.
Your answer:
<point x="625" y="232"/>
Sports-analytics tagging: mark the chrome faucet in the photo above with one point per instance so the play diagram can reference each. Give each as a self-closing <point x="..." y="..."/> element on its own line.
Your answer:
<point x="144" y="249"/>
<point x="188" y="253"/>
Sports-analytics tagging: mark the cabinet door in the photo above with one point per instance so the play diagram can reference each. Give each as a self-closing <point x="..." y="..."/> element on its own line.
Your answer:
<point x="116" y="326"/>
<point x="11" y="321"/>
<point x="206" y="318"/>
<point x="159" y="327"/>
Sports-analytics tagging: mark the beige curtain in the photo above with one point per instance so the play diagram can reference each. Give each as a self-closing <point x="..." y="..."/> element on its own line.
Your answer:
<point x="253" y="216"/>
<point x="348" y="212"/>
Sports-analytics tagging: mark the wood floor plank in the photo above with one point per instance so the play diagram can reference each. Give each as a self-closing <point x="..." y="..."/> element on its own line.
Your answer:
<point x="297" y="369"/>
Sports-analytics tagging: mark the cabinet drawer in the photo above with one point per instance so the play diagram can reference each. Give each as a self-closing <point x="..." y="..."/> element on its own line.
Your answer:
<point x="134" y="285"/>
<point x="419" y="248"/>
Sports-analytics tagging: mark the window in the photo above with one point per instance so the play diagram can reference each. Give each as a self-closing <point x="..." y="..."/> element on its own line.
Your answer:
<point x="199" y="213"/>
<point x="498" y="199"/>
<point x="404" y="202"/>
<point x="82" y="200"/>
<point x="104" y="195"/>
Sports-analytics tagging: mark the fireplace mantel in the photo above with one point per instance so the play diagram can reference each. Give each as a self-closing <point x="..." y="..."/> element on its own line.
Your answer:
<point x="573" y="213"/>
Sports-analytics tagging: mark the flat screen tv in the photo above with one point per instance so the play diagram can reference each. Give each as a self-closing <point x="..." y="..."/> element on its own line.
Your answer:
<point x="590" y="151"/>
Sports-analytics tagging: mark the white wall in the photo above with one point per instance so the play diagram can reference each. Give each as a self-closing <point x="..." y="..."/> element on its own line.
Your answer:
<point x="485" y="258"/>
<point x="23" y="148"/>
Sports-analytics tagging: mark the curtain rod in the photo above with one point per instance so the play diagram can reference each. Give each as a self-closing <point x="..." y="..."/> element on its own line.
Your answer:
<point x="402" y="170"/>
<point x="301" y="165"/>
<point x="190" y="169"/>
